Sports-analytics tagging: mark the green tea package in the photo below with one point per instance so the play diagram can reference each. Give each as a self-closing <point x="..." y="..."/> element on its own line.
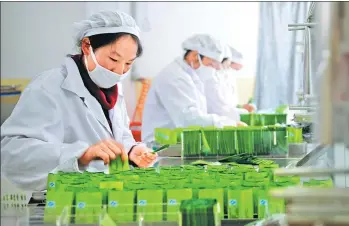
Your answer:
<point x="165" y="136"/>
<point x="211" y="135"/>
<point x="244" y="139"/>
<point x="320" y="183"/>
<point x="240" y="203"/>
<point x="227" y="141"/>
<point x="293" y="179"/>
<point x="51" y="181"/>
<point x="150" y="205"/>
<point x="174" y="198"/>
<point x="246" y="118"/>
<point x="295" y="135"/>
<point x="280" y="140"/>
<point x="121" y="205"/>
<point x="88" y="207"/>
<point x="214" y="193"/>
<point x="55" y="203"/>
<point x="262" y="202"/>
<point x="118" y="165"/>
<point x="191" y="142"/>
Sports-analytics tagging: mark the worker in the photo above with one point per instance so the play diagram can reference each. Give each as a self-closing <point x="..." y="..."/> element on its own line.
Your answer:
<point x="176" y="97"/>
<point x="231" y="64"/>
<point x="73" y="118"/>
<point x="217" y="103"/>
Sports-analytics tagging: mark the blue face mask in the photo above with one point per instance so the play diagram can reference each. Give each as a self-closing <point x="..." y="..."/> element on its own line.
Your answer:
<point x="101" y="76"/>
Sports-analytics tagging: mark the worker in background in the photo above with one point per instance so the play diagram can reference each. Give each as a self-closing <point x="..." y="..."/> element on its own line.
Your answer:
<point x="73" y="118"/>
<point x="217" y="102"/>
<point x="176" y="97"/>
<point x="231" y="64"/>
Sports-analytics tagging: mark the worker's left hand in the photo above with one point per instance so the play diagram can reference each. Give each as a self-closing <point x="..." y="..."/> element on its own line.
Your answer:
<point x="142" y="156"/>
<point x="241" y="124"/>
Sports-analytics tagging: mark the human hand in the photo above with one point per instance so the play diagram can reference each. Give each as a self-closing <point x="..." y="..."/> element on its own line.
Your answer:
<point x="241" y="124"/>
<point x="142" y="156"/>
<point x="107" y="150"/>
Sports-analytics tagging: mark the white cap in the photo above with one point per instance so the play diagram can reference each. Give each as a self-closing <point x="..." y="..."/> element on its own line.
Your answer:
<point x="105" y="22"/>
<point x="236" y="56"/>
<point x="206" y="45"/>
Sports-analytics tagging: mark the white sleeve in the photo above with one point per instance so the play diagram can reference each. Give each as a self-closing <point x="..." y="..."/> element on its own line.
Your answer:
<point x="127" y="137"/>
<point x="32" y="141"/>
<point x="216" y="102"/>
<point x="179" y="99"/>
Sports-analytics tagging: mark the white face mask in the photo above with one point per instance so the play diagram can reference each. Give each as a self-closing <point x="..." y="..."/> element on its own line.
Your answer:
<point x="101" y="76"/>
<point x="204" y="71"/>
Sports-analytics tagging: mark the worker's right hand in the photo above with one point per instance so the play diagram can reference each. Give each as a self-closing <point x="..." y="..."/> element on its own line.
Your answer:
<point x="106" y="150"/>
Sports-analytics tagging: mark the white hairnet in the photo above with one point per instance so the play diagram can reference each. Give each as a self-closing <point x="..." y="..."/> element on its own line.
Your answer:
<point x="206" y="45"/>
<point x="236" y="56"/>
<point x="105" y="22"/>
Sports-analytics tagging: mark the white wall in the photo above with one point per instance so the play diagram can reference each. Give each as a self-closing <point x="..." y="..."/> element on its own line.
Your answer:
<point x="171" y="22"/>
<point x="36" y="36"/>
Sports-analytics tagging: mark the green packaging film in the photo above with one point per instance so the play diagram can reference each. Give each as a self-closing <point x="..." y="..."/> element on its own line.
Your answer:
<point x="217" y="193"/>
<point x="199" y="212"/>
<point x="150" y="204"/>
<point x="165" y="136"/>
<point x="174" y="198"/>
<point x="121" y="205"/>
<point x="88" y="207"/>
<point x="55" y="203"/>
<point x="227" y="141"/>
<point x="240" y="203"/>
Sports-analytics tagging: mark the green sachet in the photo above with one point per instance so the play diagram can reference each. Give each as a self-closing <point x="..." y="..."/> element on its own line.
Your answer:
<point x="165" y="136"/>
<point x="150" y="204"/>
<point x="240" y="203"/>
<point x="51" y="181"/>
<point x="214" y="193"/>
<point x="174" y="198"/>
<point x="55" y="203"/>
<point x="121" y="205"/>
<point x="191" y="143"/>
<point x="227" y="141"/>
<point x="118" y="165"/>
<point x="88" y="207"/>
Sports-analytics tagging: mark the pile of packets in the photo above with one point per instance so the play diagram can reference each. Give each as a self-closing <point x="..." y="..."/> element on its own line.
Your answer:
<point x="240" y="190"/>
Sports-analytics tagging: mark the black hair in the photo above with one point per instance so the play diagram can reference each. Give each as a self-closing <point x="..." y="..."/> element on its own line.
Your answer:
<point x="101" y="40"/>
<point x="224" y="59"/>
<point x="187" y="51"/>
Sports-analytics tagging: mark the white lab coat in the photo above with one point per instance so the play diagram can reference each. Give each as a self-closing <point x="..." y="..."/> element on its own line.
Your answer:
<point x="216" y="96"/>
<point x="176" y="99"/>
<point x="55" y="120"/>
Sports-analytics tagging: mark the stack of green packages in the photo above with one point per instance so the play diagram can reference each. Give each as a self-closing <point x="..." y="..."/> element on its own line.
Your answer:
<point x="199" y="212"/>
<point x="254" y="119"/>
<point x="280" y="140"/>
<point x="227" y="141"/>
<point x="191" y="142"/>
<point x="295" y="135"/>
<point x="244" y="139"/>
<point x="118" y="165"/>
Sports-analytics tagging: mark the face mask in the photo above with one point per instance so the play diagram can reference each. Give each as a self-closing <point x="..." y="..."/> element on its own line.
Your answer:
<point x="204" y="71"/>
<point x="101" y="76"/>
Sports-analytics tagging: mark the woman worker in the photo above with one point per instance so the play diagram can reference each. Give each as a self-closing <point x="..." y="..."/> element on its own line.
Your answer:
<point x="73" y="118"/>
<point x="176" y="97"/>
